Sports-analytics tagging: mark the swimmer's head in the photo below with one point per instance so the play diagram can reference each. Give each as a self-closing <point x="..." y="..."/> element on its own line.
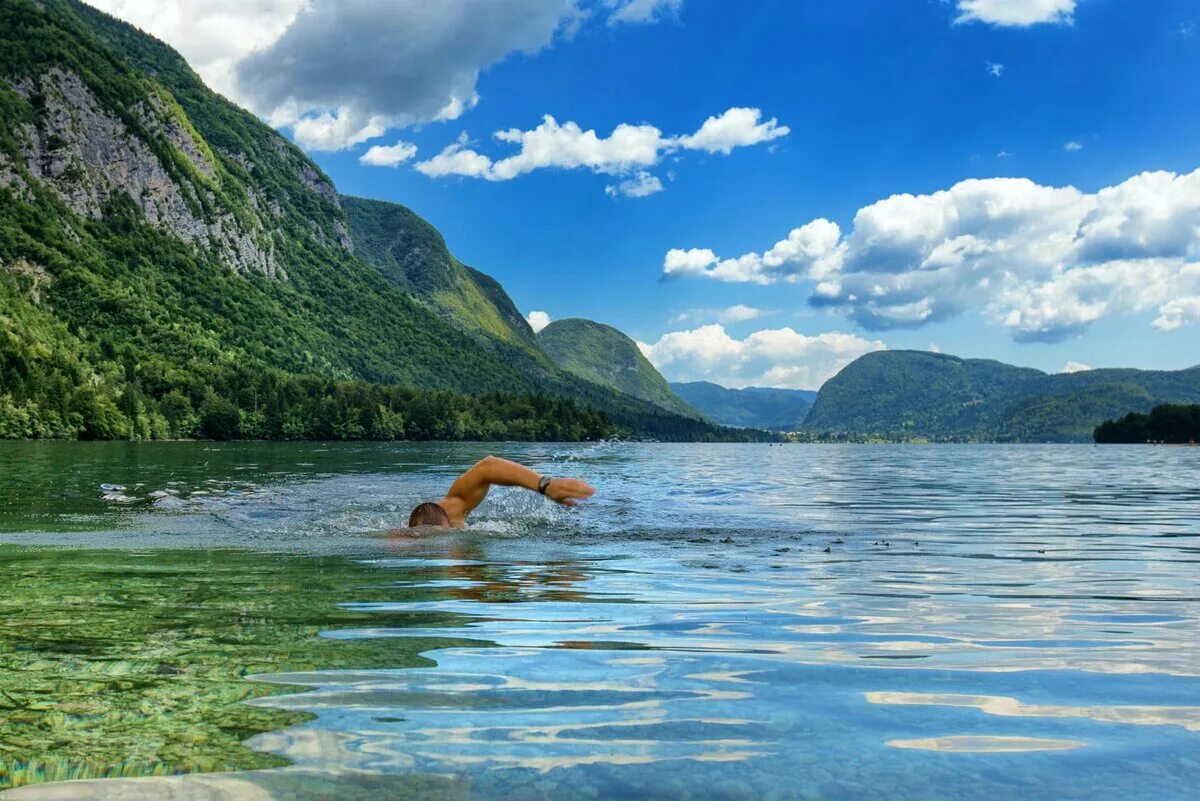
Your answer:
<point x="428" y="515"/>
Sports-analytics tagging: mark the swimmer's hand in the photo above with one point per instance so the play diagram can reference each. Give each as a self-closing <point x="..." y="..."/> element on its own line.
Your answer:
<point x="568" y="491"/>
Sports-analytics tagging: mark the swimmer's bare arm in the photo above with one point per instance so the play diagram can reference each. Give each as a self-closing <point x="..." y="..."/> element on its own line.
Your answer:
<point x="472" y="487"/>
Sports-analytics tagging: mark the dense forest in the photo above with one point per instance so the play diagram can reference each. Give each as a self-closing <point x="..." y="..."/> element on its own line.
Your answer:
<point x="1167" y="424"/>
<point x="48" y="394"/>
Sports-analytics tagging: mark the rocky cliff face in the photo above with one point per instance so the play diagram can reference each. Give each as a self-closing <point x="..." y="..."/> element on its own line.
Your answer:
<point x="83" y="153"/>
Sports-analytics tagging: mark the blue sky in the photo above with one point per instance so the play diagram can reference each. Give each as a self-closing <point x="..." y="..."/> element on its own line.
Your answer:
<point x="836" y="107"/>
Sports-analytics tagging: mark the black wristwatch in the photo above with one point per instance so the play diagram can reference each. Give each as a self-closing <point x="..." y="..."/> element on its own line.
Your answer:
<point x="543" y="483"/>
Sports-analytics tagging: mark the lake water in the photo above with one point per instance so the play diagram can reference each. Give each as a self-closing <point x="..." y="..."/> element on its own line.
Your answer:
<point x="720" y="622"/>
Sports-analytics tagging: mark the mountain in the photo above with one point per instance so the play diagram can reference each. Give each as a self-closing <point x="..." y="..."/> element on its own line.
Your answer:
<point x="151" y="213"/>
<point x="413" y="256"/>
<point x="751" y="407"/>
<point x="918" y="394"/>
<point x="170" y="265"/>
<point x="602" y="354"/>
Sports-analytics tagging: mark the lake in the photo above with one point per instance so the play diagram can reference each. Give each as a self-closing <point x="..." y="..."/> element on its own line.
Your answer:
<point x="245" y="621"/>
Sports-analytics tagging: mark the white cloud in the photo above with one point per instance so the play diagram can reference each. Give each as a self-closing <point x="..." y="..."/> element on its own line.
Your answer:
<point x="935" y="347"/>
<point x="537" y="320"/>
<point x="1072" y="146"/>
<point x="643" y="184"/>
<point x="389" y="155"/>
<point x="626" y="152"/>
<point x="1045" y="262"/>
<point x="1016" y="13"/>
<point x="810" y="251"/>
<point x="737" y="127"/>
<point x="1187" y="29"/>
<point x="777" y="357"/>
<point x="329" y="131"/>
<point x="1075" y="367"/>
<point x="213" y="35"/>
<point x="1003" y="154"/>
<point x="995" y="70"/>
<point x="739" y="313"/>
<point x="341" y="72"/>
<point x="344" y="69"/>
<point x="1177" y="313"/>
<point x="642" y="11"/>
<point x="550" y="144"/>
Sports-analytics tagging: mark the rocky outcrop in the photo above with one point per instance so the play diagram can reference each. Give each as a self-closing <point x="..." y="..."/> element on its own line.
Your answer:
<point x="84" y="154"/>
<point x="31" y="277"/>
<point x="163" y="119"/>
<point x="11" y="179"/>
<point x="318" y="183"/>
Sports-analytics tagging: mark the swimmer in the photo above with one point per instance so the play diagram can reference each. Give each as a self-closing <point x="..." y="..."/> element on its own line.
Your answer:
<point x="469" y="490"/>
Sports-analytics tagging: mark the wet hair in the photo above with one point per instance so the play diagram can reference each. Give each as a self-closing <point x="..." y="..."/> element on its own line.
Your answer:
<point x="428" y="514"/>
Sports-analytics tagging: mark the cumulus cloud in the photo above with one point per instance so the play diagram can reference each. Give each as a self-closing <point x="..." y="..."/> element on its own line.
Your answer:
<point x="643" y="184"/>
<point x="995" y="70"/>
<point x="1072" y="146"/>
<point x="537" y="320"/>
<point x="1075" y="367"/>
<point x="550" y="144"/>
<point x="1178" y="313"/>
<point x="626" y="152"/>
<point x="778" y="357"/>
<point x="737" y="127"/>
<point x="642" y="11"/>
<point x="213" y="35"/>
<point x="344" y="71"/>
<point x="739" y="313"/>
<point x="389" y="155"/>
<point x="1045" y="262"/>
<point x="1016" y="13"/>
<point x="810" y="251"/>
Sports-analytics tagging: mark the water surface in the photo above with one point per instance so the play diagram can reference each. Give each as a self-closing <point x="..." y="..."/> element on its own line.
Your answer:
<point x="749" y="621"/>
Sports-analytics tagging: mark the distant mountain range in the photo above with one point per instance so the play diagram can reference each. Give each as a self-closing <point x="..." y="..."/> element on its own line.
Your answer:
<point x="751" y="407"/>
<point x="902" y="394"/>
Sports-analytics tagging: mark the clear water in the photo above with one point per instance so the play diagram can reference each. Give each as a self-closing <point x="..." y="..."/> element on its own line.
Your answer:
<point x="721" y="622"/>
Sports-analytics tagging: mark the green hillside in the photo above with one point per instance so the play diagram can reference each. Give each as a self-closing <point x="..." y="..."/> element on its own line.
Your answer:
<point x="918" y="394"/>
<point x="171" y="266"/>
<point x="602" y="354"/>
<point x="750" y="407"/>
<point x="412" y="255"/>
<point x="157" y="217"/>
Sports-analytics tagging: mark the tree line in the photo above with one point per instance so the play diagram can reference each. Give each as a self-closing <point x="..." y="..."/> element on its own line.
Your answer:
<point x="1169" y="424"/>
<point x="48" y="393"/>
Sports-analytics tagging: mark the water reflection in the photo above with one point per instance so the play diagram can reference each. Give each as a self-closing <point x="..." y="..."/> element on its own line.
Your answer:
<point x="1185" y="716"/>
<point x="987" y="623"/>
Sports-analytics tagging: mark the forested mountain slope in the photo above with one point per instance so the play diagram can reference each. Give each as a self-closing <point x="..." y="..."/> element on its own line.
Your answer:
<point x="412" y="255"/>
<point x="602" y="354"/>
<point x="156" y="217"/>
<point x="918" y="394"/>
